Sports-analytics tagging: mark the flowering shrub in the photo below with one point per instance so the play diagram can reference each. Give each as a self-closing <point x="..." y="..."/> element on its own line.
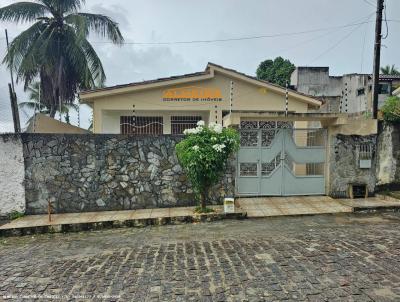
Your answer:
<point x="204" y="153"/>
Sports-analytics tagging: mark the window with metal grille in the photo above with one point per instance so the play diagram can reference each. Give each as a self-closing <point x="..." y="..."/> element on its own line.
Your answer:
<point x="141" y="125"/>
<point x="181" y="123"/>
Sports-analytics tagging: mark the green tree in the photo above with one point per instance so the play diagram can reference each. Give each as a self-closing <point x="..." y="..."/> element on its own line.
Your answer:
<point x="391" y="109"/>
<point x="204" y="154"/>
<point x="276" y="71"/>
<point x="390" y="70"/>
<point x="55" y="48"/>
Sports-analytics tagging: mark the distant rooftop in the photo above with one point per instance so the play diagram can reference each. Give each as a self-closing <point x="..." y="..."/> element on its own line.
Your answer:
<point x="326" y="69"/>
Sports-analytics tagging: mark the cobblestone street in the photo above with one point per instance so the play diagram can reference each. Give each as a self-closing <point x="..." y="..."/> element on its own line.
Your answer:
<point x="320" y="258"/>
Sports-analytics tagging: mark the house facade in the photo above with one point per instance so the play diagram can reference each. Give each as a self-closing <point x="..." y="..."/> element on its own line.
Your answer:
<point x="170" y="105"/>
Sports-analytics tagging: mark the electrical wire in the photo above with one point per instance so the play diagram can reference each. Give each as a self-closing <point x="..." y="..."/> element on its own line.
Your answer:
<point x="363" y="47"/>
<point x="235" y="39"/>
<point x="369" y="3"/>
<point x="386" y="22"/>
<point x="335" y="45"/>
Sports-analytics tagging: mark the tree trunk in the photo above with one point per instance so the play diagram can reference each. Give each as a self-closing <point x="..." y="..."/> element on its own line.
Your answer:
<point x="52" y="111"/>
<point x="203" y="199"/>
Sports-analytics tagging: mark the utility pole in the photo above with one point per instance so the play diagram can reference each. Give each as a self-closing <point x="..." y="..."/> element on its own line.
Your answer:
<point x="13" y="96"/>
<point x="377" y="57"/>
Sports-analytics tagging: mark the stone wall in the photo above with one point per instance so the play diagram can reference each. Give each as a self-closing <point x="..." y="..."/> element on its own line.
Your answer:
<point x="344" y="164"/>
<point x="388" y="168"/>
<point x="107" y="172"/>
<point x="12" y="192"/>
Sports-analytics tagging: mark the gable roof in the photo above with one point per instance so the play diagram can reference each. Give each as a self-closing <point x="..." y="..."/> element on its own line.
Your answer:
<point x="41" y="123"/>
<point x="208" y="73"/>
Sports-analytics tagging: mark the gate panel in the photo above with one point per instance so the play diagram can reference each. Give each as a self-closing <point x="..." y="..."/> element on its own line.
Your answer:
<point x="281" y="161"/>
<point x="248" y="163"/>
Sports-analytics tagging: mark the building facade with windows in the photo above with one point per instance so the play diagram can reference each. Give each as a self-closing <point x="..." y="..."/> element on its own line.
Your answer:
<point x="171" y="105"/>
<point x="349" y="93"/>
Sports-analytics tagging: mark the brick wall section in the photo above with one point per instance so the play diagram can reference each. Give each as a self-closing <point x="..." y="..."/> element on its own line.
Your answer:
<point x="81" y="173"/>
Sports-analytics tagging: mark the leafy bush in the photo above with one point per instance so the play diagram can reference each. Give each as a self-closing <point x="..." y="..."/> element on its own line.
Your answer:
<point x="391" y="109"/>
<point x="203" y="153"/>
<point x="15" y="215"/>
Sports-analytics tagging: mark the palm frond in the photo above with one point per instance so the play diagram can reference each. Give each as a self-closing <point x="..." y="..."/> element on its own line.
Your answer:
<point x="33" y="105"/>
<point x="94" y="64"/>
<point x="23" y="12"/>
<point x="38" y="53"/>
<point x="64" y="6"/>
<point x="21" y="44"/>
<point x="99" y="24"/>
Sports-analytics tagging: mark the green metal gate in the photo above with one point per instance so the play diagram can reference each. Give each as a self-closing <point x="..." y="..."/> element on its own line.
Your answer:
<point x="276" y="160"/>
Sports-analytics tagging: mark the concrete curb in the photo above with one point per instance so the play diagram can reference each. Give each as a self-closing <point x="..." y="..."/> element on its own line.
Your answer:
<point x="377" y="209"/>
<point x="78" y="227"/>
<point x="387" y="197"/>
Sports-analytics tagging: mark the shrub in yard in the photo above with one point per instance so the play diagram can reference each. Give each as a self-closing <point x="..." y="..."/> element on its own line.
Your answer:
<point x="15" y="215"/>
<point x="204" y="153"/>
<point x="391" y="110"/>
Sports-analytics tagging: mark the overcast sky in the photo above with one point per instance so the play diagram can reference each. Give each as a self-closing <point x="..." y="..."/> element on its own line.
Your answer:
<point x="344" y="50"/>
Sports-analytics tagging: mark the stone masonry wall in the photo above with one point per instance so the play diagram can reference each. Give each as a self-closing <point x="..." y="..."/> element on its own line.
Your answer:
<point x="388" y="164"/>
<point x="107" y="172"/>
<point x="12" y="192"/>
<point x="344" y="164"/>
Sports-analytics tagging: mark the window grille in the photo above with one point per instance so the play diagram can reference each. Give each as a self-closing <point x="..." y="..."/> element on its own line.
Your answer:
<point x="365" y="151"/>
<point x="141" y="125"/>
<point x="365" y="155"/>
<point x="181" y="123"/>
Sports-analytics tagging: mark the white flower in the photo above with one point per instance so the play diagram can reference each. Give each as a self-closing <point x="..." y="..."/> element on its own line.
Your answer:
<point x="201" y="123"/>
<point x="215" y="127"/>
<point x="218" y="128"/>
<point x="196" y="148"/>
<point x="213" y="138"/>
<point x="218" y="147"/>
<point x="192" y="131"/>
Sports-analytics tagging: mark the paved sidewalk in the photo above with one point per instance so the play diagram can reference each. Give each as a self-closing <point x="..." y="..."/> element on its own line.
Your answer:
<point x="250" y="207"/>
<point x="97" y="220"/>
<point x="311" y="205"/>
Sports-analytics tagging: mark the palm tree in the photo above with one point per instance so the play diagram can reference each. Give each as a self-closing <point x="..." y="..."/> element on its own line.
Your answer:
<point x="389" y="70"/>
<point x="55" y="48"/>
<point x="35" y="102"/>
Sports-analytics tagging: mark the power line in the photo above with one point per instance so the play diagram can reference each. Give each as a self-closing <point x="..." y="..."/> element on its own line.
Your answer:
<point x="369" y="3"/>
<point x="295" y="46"/>
<point x="335" y="45"/>
<point x="363" y="47"/>
<point x="386" y="22"/>
<point x="240" y="38"/>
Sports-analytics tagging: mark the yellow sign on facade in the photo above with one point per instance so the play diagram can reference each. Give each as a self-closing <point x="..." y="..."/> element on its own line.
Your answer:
<point x="192" y="94"/>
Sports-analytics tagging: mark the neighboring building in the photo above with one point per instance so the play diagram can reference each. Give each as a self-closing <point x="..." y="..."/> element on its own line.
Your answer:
<point x="350" y="93"/>
<point x="171" y="105"/>
<point x="41" y="123"/>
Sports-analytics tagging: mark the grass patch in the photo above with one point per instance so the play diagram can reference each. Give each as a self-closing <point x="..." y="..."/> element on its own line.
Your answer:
<point x="200" y="210"/>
